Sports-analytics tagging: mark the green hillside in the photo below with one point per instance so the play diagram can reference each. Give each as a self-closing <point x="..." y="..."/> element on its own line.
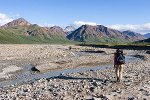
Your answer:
<point x="16" y="35"/>
<point x="105" y="40"/>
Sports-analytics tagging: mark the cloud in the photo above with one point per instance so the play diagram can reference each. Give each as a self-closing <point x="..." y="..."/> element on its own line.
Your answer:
<point x="4" y="19"/>
<point x="140" y="28"/>
<point x="46" y="25"/>
<point x="80" y="23"/>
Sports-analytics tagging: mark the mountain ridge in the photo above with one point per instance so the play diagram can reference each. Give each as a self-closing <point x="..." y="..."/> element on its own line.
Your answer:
<point x="16" y="22"/>
<point x="135" y="36"/>
<point x="97" y="33"/>
<point x="85" y="33"/>
<point x="147" y="35"/>
<point x="21" y="31"/>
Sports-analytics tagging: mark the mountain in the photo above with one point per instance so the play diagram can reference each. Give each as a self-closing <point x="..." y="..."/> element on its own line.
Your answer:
<point x="146" y="41"/>
<point x="99" y="33"/>
<point x="35" y="30"/>
<point x="17" y="22"/>
<point x="69" y="28"/>
<point x="133" y="35"/>
<point x="21" y="31"/>
<point x="147" y="35"/>
<point x="56" y="30"/>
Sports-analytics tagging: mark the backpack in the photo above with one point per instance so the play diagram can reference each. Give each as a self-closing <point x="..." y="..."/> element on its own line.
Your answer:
<point x="120" y="58"/>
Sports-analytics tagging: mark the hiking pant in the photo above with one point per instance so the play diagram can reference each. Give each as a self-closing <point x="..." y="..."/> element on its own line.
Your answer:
<point x="119" y="72"/>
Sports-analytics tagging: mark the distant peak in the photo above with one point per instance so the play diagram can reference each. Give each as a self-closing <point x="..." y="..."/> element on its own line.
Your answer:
<point x="17" y="22"/>
<point x="129" y="31"/>
<point x="70" y="28"/>
<point x="21" y="19"/>
<point x="56" y="27"/>
<point x="88" y="25"/>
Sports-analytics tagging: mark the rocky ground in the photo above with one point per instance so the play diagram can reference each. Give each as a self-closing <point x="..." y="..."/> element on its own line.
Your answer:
<point x="48" y="57"/>
<point x="89" y="85"/>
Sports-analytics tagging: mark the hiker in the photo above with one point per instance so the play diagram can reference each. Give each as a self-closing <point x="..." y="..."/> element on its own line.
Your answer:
<point x="119" y="61"/>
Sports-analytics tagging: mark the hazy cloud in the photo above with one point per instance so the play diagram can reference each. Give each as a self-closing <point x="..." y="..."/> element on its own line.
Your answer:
<point x="79" y="23"/>
<point x="4" y="19"/>
<point x="140" y="28"/>
<point x="46" y="25"/>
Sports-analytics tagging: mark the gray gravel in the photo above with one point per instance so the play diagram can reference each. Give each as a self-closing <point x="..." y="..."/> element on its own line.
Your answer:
<point x="88" y="85"/>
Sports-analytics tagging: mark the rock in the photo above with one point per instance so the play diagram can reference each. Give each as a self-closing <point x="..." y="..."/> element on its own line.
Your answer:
<point x="55" y="94"/>
<point x="114" y="90"/>
<point x="128" y="83"/>
<point x="25" y="90"/>
<point x="94" y="84"/>
<point x="23" y="94"/>
<point x="130" y="98"/>
<point x="141" y="90"/>
<point x="89" y="97"/>
<point x="61" y="74"/>
<point x="68" y="98"/>
<point x="81" y="73"/>
<point x="103" y="97"/>
<point x="109" y="97"/>
<point x="91" y="89"/>
<point x="147" y="52"/>
<point x="91" y="70"/>
<point x="32" y="68"/>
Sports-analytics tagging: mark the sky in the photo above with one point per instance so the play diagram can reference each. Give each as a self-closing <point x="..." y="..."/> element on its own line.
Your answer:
<point x="118" y="14"/>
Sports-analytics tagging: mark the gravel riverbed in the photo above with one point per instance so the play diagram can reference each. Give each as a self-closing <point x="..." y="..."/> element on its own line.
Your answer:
<point x="86" y="85"/>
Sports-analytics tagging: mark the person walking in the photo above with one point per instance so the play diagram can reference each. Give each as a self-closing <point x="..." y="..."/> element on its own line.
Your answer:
<point x="119" y="61"/>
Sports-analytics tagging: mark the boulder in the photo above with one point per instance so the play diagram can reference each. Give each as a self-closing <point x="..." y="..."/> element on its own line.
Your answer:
<point x="31" y="67"/>
<point x="46" y="67"/>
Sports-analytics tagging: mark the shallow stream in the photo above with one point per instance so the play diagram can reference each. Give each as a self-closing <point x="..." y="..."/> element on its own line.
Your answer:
<point x="30" y="76"/>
